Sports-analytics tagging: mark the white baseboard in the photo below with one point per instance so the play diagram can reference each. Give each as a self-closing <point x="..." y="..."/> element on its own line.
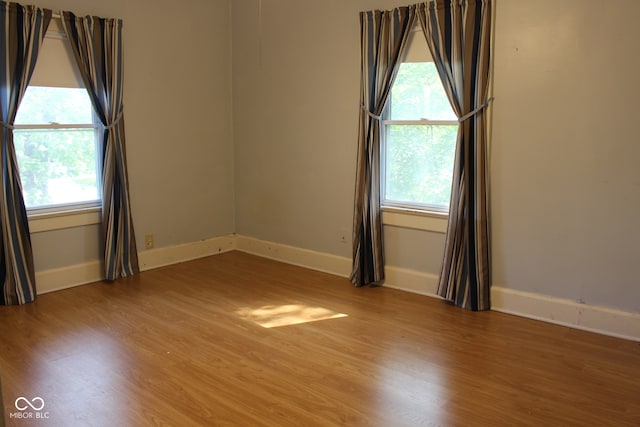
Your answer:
<point x="593" y="318"/>
<point x="560" y="311"/>
<point x="161" y="257"/>
<point x="92" y="271"/>
<point x="319" y="261"/>
<point x="396" y="278"/>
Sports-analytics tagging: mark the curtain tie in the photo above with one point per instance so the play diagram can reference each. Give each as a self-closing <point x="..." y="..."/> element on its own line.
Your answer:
<point x="5" y="125"/>
<point x="369" y="113"/>
<point x="476" y="111"/>
<point x="115" y="122"/>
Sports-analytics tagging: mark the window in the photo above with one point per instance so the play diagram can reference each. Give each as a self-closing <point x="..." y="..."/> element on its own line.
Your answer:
<point x="57" y="135"/>
<point x="56" y="146"/>
<point x="418" y="137"/>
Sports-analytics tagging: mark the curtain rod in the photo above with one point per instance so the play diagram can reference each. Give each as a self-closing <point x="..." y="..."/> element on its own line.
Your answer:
<point x="58" y="15"/>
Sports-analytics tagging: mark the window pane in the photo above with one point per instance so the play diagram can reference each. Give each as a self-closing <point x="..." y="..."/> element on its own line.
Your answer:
<point x="57" y="166"/>
<point x="418" y="94"/>
<point x="44" y="105"/>
<point x="419" y="163"/>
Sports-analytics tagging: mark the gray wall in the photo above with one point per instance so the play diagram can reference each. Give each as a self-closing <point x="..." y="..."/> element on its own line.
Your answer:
<point x="294" y="128"/>
<point x="565" y="190"/>
<point x="565" y="176"/>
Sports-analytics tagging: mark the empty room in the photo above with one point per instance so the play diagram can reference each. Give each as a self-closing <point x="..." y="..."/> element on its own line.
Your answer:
<point x="319" y="213"/>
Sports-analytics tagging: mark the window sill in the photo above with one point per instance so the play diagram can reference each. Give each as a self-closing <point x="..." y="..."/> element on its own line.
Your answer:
<point x="415" y="219"/>
<point x="39" y="223"/>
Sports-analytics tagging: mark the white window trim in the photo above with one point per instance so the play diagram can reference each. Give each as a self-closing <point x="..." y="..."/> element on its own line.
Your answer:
<point x="49" y="221"/>
<point x="422" y="121"/>
<point x="57" y="126"/>
<point x="415" y="219"/>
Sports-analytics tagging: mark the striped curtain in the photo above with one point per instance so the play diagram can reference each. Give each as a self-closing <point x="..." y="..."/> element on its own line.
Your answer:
<point x="458" y="35"/>
<point x="97" y="47"/>
<point x="383" y="36"/>
<point x="22" y="30"/>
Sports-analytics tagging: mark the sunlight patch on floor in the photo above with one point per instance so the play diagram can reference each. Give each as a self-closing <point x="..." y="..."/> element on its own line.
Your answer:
<point x="273" y="316"/>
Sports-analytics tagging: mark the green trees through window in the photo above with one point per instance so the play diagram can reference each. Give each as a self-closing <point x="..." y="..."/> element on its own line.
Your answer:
<point x="420" y="164"/>
<point x="420" y="131"/>
<point x="56" y="146"/>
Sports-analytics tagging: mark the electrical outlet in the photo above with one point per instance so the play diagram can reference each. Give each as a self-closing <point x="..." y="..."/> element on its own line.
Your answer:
<point x="148" y="241"/>
<point x="345" y="235"/>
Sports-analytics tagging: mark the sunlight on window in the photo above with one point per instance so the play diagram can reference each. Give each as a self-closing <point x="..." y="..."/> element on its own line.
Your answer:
<point x="273" y="316"/>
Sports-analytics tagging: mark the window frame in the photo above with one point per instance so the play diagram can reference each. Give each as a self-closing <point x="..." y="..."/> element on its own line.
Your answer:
<point x="397" y="204"/>
<point x="73" y="207"/>
<point x="419" y="216"/>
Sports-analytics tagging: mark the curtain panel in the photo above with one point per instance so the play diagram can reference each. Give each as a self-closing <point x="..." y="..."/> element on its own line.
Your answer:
<point x="383" y="37"/>
<point x="22" y="30"/>
<point x="97" y="47"/>
<point x="458" y="33"/>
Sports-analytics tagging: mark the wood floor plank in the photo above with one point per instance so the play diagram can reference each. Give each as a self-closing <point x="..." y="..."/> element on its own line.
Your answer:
<point x="186" y="345"/>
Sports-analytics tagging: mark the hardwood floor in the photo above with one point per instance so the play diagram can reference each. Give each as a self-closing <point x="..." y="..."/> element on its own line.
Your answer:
<point x="184" y="346"/>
